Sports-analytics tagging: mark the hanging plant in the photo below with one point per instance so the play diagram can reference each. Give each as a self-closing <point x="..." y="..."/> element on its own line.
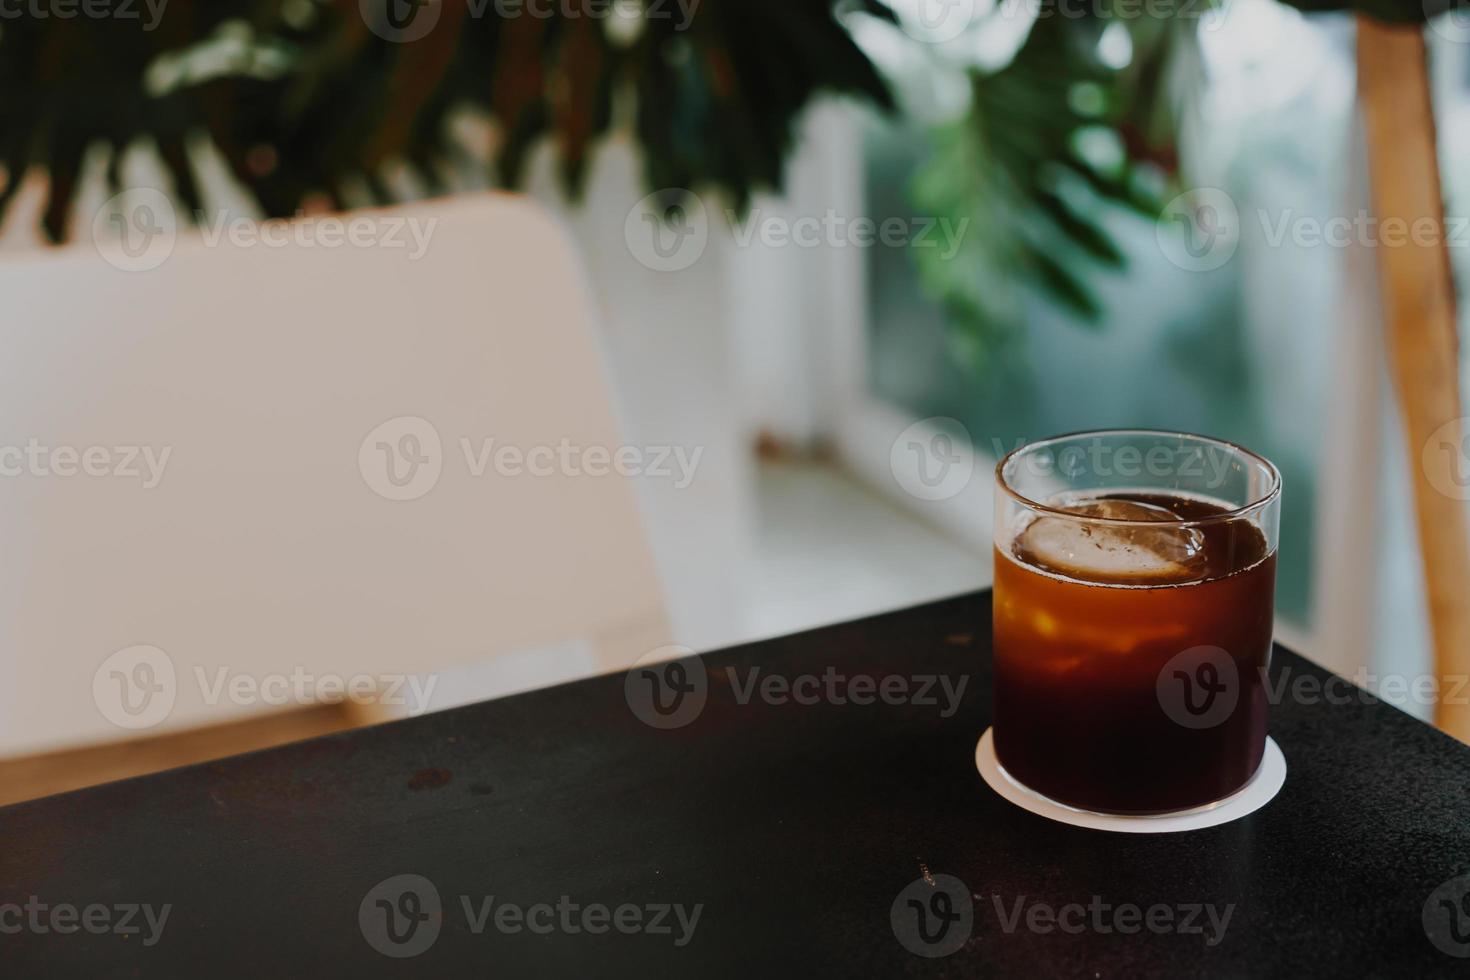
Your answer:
<point x="307" y="98"/>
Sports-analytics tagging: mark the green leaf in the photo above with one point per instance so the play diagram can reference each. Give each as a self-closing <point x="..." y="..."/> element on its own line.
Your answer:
<point x="1012" y="167"/>
<point x="327" y="102"/>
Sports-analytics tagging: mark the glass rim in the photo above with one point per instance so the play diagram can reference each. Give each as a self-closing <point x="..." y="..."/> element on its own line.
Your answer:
<point x="1273" y="491"/>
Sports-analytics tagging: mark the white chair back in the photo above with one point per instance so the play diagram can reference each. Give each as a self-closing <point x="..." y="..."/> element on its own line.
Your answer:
<point x="278" y="465"/>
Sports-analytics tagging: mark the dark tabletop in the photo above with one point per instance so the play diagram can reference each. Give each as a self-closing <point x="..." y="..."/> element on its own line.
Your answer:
<point x="799" y="833"/>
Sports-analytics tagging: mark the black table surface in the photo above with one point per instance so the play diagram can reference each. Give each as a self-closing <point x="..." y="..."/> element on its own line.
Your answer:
<point x="798" y="832"/>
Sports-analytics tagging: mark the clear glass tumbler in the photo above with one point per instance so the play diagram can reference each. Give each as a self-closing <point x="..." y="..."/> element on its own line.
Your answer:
<point x="1134" y="581"/>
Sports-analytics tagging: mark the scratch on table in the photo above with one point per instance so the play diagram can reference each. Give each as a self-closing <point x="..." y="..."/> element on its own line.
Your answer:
<point x="429" y="779"/>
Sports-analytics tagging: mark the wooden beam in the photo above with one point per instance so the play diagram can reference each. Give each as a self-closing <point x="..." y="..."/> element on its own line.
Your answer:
<point x="31" y="777"/>
<point x="1419" y="307"/>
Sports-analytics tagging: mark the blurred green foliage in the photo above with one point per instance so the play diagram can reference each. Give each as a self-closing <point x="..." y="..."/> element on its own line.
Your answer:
<point x="304" y="98"/>
<point x="1052" y="140"/>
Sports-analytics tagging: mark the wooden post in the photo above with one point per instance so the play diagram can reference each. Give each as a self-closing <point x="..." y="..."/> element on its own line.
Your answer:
<point x="1419" y="306"/>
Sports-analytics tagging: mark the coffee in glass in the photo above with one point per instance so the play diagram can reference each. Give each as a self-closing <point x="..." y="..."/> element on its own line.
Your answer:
<point x="1134" y="576"/>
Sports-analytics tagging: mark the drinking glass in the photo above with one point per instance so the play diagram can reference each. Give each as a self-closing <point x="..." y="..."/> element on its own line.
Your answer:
<point x="1133" y="605"/>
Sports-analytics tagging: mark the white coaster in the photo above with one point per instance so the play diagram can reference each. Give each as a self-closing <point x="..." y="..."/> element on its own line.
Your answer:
<point x="1262" y="788"/>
